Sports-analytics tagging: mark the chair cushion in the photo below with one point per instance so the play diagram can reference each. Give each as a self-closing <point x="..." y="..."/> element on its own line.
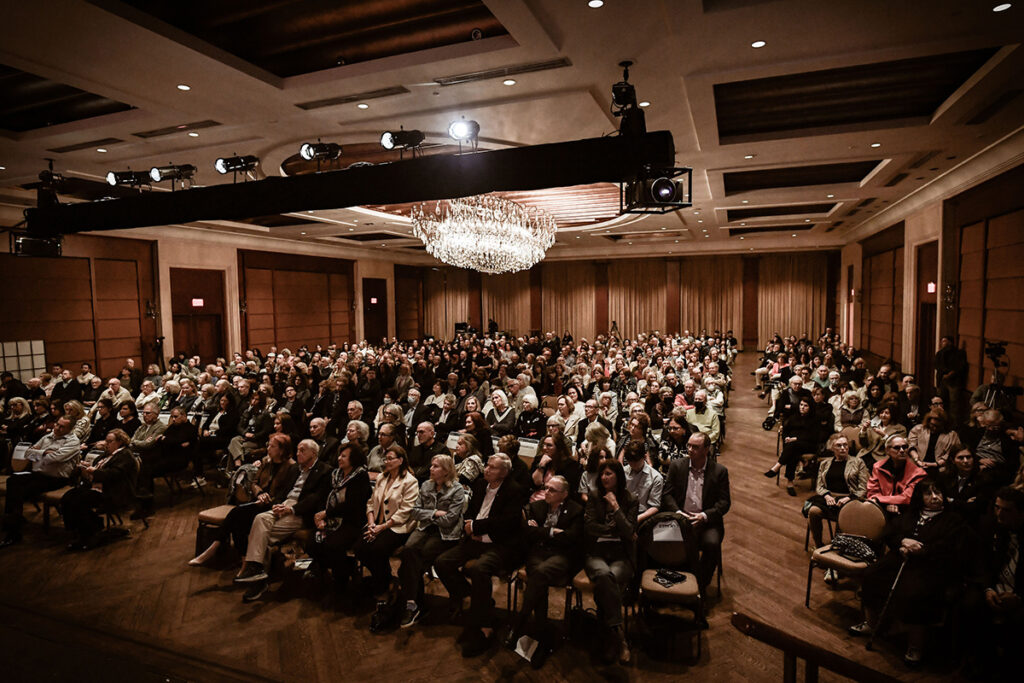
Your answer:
<point x="215" y="515"/>
<point x="521" y="574"/>
<point x="53" y="497"/>
<point x="3" y="483"/>
<point x="581" y="583"/>
<point x="829" y="560"/>
<point x="685" y="592"/>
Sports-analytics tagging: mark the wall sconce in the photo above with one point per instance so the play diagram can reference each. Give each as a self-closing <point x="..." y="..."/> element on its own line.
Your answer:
<point x="151" y="311"/>
<point x="931" y="287"/>
<point x="949" y="297"/>
<point x="856" y="295"/>
<point x="243" y="308"/>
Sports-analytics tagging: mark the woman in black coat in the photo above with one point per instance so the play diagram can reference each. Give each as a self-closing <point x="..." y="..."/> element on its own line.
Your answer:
<point x="962" y="486"/>
<point x="340" y="524"/>
<point x="106" y="485"/>
<point x="928" y="542"/>
<point x="799" y="435"/>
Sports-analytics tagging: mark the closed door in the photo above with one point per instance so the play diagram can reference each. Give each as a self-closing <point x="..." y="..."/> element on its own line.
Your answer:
<point x="375" y="309"/>
<point x="199" y="335"/>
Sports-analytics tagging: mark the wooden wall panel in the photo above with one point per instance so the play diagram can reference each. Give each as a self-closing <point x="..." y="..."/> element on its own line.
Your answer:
<point x="408" y="302"/>
<point x="342" y="312"/>
<point x="118" y="322"/>
<point x="972" y="302"/>
<point x="882" y="304"/>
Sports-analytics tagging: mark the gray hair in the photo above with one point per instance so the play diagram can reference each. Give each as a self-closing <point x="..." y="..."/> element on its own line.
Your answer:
<point x="361" y="427"/>
<point x="309" y="443"/>
<point x="503" y="460"/>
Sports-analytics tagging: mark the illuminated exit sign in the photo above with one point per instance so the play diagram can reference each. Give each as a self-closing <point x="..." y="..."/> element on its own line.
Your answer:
<point x="197" y="303"/>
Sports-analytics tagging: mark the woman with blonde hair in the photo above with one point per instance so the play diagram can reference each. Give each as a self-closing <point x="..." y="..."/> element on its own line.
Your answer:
<point x="438" y="527"/>
<point x="469" y="461"/>
<point x="501" y="417"/>
<point x="79" y="420"/>
<point x="933" y="442"/>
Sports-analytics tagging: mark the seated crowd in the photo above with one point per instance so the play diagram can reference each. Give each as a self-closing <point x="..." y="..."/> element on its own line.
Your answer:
<point x="408" y="450"/>
<point x="952" y="492"/>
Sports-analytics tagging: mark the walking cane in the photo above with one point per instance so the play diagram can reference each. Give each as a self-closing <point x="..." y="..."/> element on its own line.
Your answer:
<point x="885" y="607"/>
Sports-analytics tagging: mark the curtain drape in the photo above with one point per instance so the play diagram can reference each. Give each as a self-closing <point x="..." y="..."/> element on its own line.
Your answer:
<point x="792" y="291"/>
<point x="506" y="299"/>
<point x="567" y="298"/>
<point x="636" y="295"/>
<point x="711" y="294"/>
<point x="445" y="301"/>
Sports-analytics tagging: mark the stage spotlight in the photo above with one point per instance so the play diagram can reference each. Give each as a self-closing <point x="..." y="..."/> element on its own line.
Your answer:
<point x="236" y="164"/>
<point x="401" y="139"/>
<point x="321" y="151"/>
<point x="182" y="172"/>
<point x="130" y="178"/>
<point x="463" y="130"/>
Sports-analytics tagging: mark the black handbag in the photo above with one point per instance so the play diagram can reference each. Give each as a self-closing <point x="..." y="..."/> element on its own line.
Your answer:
<point x="854" y="547"/>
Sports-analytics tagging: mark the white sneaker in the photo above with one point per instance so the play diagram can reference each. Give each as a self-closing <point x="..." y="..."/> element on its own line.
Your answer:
<point x="831" y="577"/>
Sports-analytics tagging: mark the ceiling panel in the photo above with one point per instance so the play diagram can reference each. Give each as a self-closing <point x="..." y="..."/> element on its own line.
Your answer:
<point x="797" y="176"/>
<point x="784" y="210"/>
<point x="28" y="102"/>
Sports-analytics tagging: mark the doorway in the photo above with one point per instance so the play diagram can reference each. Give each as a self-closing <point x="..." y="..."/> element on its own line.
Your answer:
<point x="197" y="307"/>
<point x="375" y="309"/>
<point x="927" y="312"/>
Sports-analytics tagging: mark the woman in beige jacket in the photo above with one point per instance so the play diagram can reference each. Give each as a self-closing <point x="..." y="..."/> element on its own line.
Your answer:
<point x="388" y="520"/>
<point x="840" y="480"/>
<point x="932" y="442"/>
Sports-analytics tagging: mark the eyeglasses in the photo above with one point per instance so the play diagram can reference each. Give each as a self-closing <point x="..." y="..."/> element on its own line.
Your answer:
<point x="553" y="489"/>
<point x="899" y="447"/>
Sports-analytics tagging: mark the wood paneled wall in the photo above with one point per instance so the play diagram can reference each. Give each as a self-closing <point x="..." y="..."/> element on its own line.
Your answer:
<point x="292" y="300"/>
<point x="881" y="311"/>
<point x="408" y="302"/>
<point x="88" y="305"/>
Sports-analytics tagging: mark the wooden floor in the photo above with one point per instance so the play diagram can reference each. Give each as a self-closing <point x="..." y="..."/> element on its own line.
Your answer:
<point x="138" y="593"/>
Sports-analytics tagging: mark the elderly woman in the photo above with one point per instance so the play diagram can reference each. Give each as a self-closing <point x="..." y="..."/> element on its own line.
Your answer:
<point x="596" y="436"/>
<point x="894" y="477"/>
<point x="840" y="480"/>
<point x="359" y="432"/>
<point x="388" y="520"/>
<point x="438" y="518"/>
<point x="610" y="521"/>
<point x="851" y="413"/>
<point x="872" y="437"/>
<point x="254" y="489"/>
<point x="340" y="524"/>
<point x="500" y="416"/>
<point x="553" y="459"/>
<point x="19" y="414"/>
<point x="531" y="423"/>
<point x="929" y="543"/>
<point x="81" y="426"/>
<point x="468" y="459"/>
<point x="932" y="442"/>
<point x="566" y="411"/>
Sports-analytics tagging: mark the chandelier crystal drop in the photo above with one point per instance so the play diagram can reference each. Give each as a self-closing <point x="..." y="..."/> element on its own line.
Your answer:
<point x="484" y="233"/>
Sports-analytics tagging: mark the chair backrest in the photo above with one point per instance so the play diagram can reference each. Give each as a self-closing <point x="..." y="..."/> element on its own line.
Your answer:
<point x="669" y="543"/>
<point x="861" y="518"/>
<point x="19" y="457"/>
<point x="549" y="401"/>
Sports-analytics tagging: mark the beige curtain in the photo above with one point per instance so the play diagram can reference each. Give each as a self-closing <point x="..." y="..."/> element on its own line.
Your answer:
<point x="567" y="298"/>
<point x="711" y="294"/>
<point x="506" y="298"/>
<point x="636" y="295"/>
<point x="791" y="295"/>
<point x="445" y="301"/>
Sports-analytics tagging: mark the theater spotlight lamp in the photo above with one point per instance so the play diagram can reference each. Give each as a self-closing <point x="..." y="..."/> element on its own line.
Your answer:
<point x="657" y="190"/>
<point x="463" y="130"/>
<point x="130" y="178"/>
<point x="624" y="105"/>
<point x="239" y="164"/>
<point x="182" y="172"/>
<point x="401" y="139"/>
<point x="320" y="151"/>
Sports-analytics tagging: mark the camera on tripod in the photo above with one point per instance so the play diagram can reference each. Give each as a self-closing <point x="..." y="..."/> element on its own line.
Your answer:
<point x="995" y="351"/>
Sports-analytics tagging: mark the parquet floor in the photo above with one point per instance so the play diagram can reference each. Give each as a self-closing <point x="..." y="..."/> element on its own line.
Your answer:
<point x="137" y="597"/>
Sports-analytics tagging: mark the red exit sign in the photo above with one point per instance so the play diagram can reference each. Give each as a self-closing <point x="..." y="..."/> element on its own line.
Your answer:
<point x="197" y="303"/>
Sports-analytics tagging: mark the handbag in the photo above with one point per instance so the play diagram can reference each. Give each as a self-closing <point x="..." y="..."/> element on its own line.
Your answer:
<point x="854" y="547"/>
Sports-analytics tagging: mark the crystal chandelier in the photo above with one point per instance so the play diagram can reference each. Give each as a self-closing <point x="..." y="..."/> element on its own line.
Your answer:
<point x="484" y="233"/>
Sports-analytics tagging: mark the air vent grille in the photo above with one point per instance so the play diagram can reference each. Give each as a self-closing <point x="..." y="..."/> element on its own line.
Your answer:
<point x="354" y="97"/>
<point x="180" y="128"/>
<point x="105" y="142"/>
<point x="502" y="72"/>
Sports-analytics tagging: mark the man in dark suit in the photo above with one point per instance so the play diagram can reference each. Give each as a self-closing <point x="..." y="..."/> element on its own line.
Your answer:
<point x="309" y="482"/>
<point x="698" y="491"/>
<point x="329" y="445"/>
<point x="590" y="409"/>
<point x="421" y="455"/>
<point x="66" y="389"/>
<point x="553" y="535"/>
<point x="492" y="530"/>
<point x="416" y="411"/>
<point x="448" y="419"/>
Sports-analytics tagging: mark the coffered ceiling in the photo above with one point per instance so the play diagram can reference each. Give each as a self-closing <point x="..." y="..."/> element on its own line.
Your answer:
<point x="848" y="110"/>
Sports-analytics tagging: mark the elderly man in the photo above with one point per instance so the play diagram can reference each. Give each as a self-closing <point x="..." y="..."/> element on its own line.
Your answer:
<point x="66" y="389"/>
<point x="702" y="418"/>
<point x="698" y="491"/>
<point x="553" y="533"/>
<point x="53" y="460"/>
<point x="592" y="415"/>
<point x="147" y="395"/>
<point x="146" y="445"/>
<point x="115" y="392"/>
<point x="338" y="424"/>
<point x="308" y="483"/>
<point x="329" y="445"/>
<point x="424" y="451"/>
<point x="491" y="539"/>
<point x="416" y="411"/>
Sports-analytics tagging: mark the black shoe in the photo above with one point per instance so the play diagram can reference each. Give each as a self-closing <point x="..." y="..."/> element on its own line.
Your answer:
<point x="477" y="644"/>
<point x="791" y="491"/>
<point x="252" y="573"/>
<point x="770" y="473"/>
<point x="10" y="540"/>
<point x="410" y="617"/>
<point x="255" y="592"/>
<point x="540" y="655"/>
<point x="511" y="639"/>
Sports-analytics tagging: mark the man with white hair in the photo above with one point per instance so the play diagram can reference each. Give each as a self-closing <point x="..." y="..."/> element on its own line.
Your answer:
<point x="702" y="418"/>
<point x="329" y="445"/>
<point x="115" y="392"/>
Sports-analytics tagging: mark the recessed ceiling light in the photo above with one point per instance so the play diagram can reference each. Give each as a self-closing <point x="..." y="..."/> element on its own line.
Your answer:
<point x="793" y="235"/>
<point x="184" y="88"/>
<point x="363" y="105"/>
<point x="509" y="81"/>
<point x="742" y="223"/>
<point x="302" y="233"/>
<point x="742" y="237"/>
<point x="745" y="202"/>
<point x="807" y="220"/>
<point x="3" y="168"/>
<point x="1002" y="7"/>
<point x="101" y="150"/>
<point x="645" y="103"/>
<point x="699" y="220"/>
<point x="876" y="144"/>
<point x="309" y="212"/>
<point x="595" y="3"/>
<point x="749" y="156"/>
<point x="696" y="213"/>
<point x="577" y="236"/>
<point x="677" y="241"/>
<point x="663" y="228"/>
<point x="758" y="43"/>
<point x="193" y="134"/>
<point x="707" y="235"/>
<point x="351" y="229"/>
<point x="830" y="196"/>
<point x="751" y="249"/>
<point x="670" y="252"/>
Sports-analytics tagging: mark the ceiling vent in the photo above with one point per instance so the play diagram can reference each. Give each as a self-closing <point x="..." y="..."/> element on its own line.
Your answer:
<point x="355" y="97"/>
<point x="105" y="142"/>
<point x="180" y="128"/>
<point x="503" y="72"/>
